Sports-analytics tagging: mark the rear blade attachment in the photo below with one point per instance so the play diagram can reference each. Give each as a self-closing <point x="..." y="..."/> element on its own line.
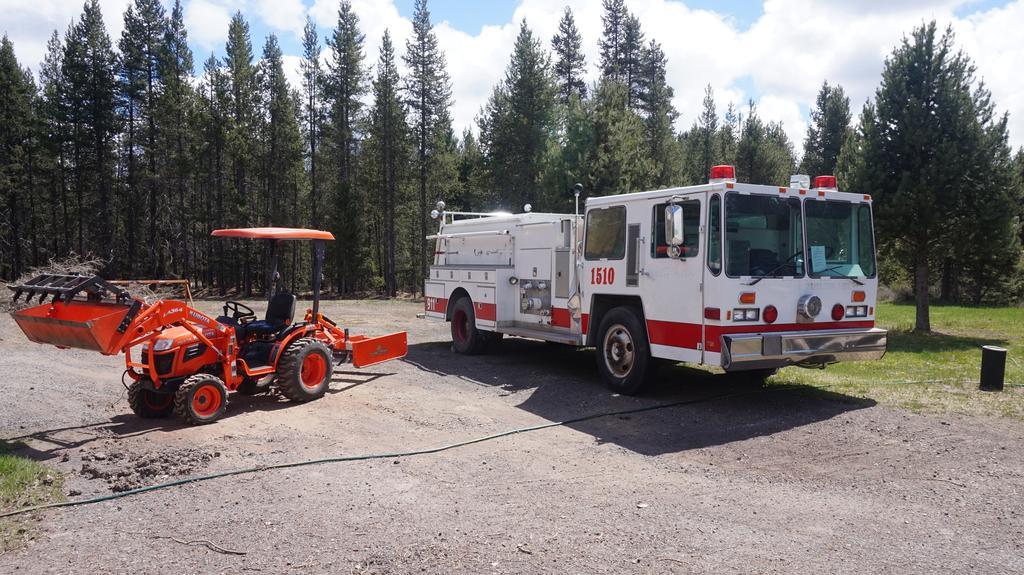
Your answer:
<point x="66" y="287"/>
<point x="367" y="351"/>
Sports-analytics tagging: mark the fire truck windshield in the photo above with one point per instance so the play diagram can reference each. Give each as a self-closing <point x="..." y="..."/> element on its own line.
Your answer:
<point x="763" y="236"/>
<point x="839" y="239"/>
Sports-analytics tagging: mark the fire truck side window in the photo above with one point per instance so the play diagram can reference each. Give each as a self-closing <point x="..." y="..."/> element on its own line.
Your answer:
<point x="715" y="234"/>
<point x="606" y="234"/>
<point x="763" y="236"/>
<point x="691" y="230"/>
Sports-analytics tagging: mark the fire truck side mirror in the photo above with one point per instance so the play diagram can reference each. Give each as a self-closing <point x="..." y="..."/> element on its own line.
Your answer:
<point x="674" y="225"/>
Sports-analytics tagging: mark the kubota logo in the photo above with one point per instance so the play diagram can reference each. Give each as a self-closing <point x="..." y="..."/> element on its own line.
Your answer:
<point x="381" y="350"/>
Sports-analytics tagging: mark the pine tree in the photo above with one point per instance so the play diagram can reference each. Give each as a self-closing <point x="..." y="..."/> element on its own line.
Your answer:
<point x="174" y="109"/>
<point x="830" y="122"/>
<point x="276" y="161"/>
<point x="140" y="86"/>
<point x="518" y="121"/>
<point x="241" y="149"/>
<point x="764" y="154"/>
<point x="613" y="38"/>
<point x="472" y="177"/>
<point x="387" y="147"/>
<point x="988" y="215"/>
<point x="619" y="162"/>
<point x="344" y="87"/>
<point x="428" y="96"/>
<point x="312" y="82"/>
<point x="703" y="149"/>
<point x="654" y="102"/>
<point x="15" y="141"/>
<point x="282" y="174"/>
<point x="53" y="117"/>
<point x="633" y="56"/>
<point x="570" y="63"/>
<point x="727" y="138"/>
<point x="567" y="162"/>
<point x="132" y="87"/>
<point x="924" y="102"/>
<point x="89" y="94"/>
<point x="214" y="118"/>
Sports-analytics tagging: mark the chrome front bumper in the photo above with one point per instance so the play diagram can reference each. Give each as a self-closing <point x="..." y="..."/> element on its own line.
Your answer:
<point x="771" y="350"/>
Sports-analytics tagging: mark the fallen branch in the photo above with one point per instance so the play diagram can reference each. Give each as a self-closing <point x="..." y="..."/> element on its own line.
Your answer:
<point x="204" y="542"/>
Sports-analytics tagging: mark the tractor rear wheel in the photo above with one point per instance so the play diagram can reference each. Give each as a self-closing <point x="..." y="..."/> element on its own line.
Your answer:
<point x="304" y="370"/>
<point x="202" y="398"/>
<point x="148" y="403"/>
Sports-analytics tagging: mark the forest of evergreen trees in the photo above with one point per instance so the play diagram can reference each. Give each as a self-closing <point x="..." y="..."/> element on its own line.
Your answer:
<point x="124" y="149"/>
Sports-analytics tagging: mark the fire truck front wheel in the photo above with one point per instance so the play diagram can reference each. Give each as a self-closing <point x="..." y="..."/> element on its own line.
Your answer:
<point x="466" y="338"/>
<point x="623" y="353"/>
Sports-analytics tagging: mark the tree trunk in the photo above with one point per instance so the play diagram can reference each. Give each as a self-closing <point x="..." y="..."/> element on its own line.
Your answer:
<point x="946" y="290"/>
<point x="922" y="322"/>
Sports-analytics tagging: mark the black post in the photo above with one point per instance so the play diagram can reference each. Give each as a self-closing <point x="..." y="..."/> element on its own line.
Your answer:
<point x="993" y="367"/>
<point x="318" y="268"/>
<point x="272" y="270"/>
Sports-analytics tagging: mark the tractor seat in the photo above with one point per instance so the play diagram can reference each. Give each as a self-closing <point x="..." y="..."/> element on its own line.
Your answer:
<point x="280" y="313"/>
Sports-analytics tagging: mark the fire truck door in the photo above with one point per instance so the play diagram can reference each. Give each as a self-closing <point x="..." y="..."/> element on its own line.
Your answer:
<point x="671" y="284"/>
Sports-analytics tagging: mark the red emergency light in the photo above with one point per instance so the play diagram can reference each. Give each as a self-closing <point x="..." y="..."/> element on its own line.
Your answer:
<point x="723" y="173"/>
<point x="825" y="182"/>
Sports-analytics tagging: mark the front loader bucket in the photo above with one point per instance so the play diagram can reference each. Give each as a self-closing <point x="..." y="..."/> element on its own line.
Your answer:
<point x="94" y="326"/>
<point x="367" y="351"/>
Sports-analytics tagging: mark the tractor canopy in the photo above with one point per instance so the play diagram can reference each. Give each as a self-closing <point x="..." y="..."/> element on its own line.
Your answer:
<point x="274" y="234"/>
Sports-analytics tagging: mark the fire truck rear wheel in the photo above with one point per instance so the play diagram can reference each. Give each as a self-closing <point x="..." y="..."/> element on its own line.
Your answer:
<point x="304" y="370"/>
<point x="623" y="353"/>
<point x="148" y="403"/>
<point x="466" y="338"/>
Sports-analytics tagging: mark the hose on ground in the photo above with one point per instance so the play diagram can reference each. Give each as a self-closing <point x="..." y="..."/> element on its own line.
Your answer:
<point x="392" y="455"/>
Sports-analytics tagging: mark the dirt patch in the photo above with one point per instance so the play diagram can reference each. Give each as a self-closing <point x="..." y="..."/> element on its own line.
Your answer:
<point x="124" y="471"/>
<point x="789" y="480"/>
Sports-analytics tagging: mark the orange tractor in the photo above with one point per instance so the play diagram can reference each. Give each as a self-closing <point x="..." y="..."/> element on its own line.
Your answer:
<point x="189" y="361"/>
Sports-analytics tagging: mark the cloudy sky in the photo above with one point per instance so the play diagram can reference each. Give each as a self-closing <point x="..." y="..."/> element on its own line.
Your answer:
<point x="777" y="52"/>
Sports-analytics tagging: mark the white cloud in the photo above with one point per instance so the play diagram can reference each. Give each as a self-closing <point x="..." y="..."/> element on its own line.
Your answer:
<point x="29" y="23"/>
<point x="207" y="24"/>
<point x="283" y="15"/>
<point x="788" y="112"/>
<point x="292" y="70"/>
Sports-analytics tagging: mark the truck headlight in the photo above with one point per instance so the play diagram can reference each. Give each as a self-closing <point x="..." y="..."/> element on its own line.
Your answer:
<point x="746" y="314"/>
<point x="856" y="311"/>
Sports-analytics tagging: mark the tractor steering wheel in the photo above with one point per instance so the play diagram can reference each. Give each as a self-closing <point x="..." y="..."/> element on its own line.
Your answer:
<point x="239" y="311"/>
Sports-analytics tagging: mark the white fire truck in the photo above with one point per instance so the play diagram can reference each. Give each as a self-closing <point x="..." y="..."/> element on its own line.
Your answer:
<point x="749" y="278"/>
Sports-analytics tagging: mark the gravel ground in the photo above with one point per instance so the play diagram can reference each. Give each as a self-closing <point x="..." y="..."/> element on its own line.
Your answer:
<point x="788" y="480"/>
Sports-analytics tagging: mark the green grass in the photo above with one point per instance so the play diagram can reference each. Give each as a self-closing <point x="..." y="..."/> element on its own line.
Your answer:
<point x="23" y="482"/>
<point x="935" y="373"/>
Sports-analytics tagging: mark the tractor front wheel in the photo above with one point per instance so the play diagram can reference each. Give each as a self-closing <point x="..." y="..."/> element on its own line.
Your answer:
<point x="148" y="403"/>
<point x="202" y="398"/>
<point x="304" y="370"/>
